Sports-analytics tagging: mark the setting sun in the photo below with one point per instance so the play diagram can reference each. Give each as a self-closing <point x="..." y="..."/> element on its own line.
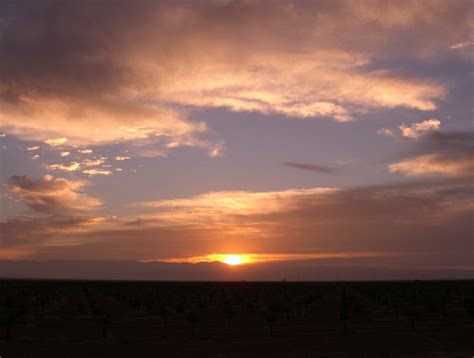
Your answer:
<point x="232" y="260"/>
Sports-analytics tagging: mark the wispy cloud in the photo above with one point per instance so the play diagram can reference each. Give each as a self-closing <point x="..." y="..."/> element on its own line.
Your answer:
<point x="460" y="45"/>
<point x="85" y="151"/>
<point x="312" y="167"/>
<point x="68" y="167"/>
<point x="387" y="132"/>
<point x="97" y="172"/>
<point x="434" y="164"/>
<point x="77" y="166"/>
<point x="93" y="162"/>
<point x="214" y="205"/>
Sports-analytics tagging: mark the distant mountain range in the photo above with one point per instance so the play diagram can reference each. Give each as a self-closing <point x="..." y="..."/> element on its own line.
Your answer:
<point x="215" y="271"/>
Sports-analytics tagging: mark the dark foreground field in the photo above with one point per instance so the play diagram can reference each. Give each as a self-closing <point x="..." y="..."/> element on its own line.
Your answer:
<point x="241" y="319"/>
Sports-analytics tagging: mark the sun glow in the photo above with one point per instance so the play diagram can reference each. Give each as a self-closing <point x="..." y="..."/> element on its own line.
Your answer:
<point x="241" y="259"/>
<point x="232" y="260"/>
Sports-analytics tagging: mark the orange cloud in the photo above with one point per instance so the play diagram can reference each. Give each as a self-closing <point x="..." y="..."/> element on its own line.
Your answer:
<point x="215" y="207"/>
<point x="87" y="122"/>
<point x="419" y="129"/>
<point x="434" y="164"/>
<point x="97" y="172"/>
<point x="56" y="142"/>
<point x="85" y="151"/>
<point x="461" y="45"/>
<point x="68" y="167"/>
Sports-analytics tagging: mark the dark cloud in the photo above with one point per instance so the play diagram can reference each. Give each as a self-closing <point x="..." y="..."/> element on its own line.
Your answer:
<point x="53" y="196"/>
<point x="31" y="232"/>
<point x="312" y="167"/>
<point x="448" y="142"/>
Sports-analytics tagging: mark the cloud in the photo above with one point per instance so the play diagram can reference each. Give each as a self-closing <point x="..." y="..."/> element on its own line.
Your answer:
<point x="438" y="153"/>
<point x="409" y="225"/>
<point x="311" y="167"/>
<point x="85" y="122"/>
<point x="133" y="72"/>
<point x="68" y="167"/>
<point x="64" y="154"/>
<point x="214" y="205"/>
<point x="434" y="164"/>
<point x="27" y="233"/>
<point x="76" y="166"/>
<point x="419" y="129"/>
<point x="56" y="142"/>
<point x="416" y="130"/>
<point x="121" y="158"/>
<point x="32" y="148"/>
<point x="93" y="162"/>
<point x="215" y="152"/>
<point x="386" y="132"/>
<point x="85" y="151"/>
<point x="97" y="172"/>
<point x="49" y="195"/>
<point x="461" y="45"/>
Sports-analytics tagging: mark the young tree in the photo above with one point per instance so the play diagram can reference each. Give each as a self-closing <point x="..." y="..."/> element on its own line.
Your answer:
<point x="412" y="314"/>
<point x="228" y="311"/>
<point x="193" y="319"/>
<point x="9" y="321"/>
<point x="164" y="315"/>
<point x="9" y="317"/>
<point x="345" y="311"/>
<point x="270" y="318"/>
<point x="104" y="322"/>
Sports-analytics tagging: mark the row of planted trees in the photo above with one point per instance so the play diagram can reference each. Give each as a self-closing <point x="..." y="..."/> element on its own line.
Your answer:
<point x="276" y="304"/>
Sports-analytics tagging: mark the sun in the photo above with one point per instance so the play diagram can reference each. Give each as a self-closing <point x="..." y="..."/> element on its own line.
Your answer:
<point x="232" y="260"/>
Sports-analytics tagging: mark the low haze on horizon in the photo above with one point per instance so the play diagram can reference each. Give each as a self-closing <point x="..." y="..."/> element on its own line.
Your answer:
<point x="273" y="137"/>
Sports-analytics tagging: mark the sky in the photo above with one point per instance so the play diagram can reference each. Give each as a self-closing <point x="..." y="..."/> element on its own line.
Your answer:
<point x="252" y="133"/>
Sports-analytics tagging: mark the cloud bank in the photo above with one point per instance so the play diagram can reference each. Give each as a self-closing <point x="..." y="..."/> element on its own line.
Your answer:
<point x="89" y="73"/>
<point x="409" y="225"/>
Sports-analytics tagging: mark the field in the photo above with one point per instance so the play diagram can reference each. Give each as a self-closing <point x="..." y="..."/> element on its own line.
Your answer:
<point x="236" y="319"/>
